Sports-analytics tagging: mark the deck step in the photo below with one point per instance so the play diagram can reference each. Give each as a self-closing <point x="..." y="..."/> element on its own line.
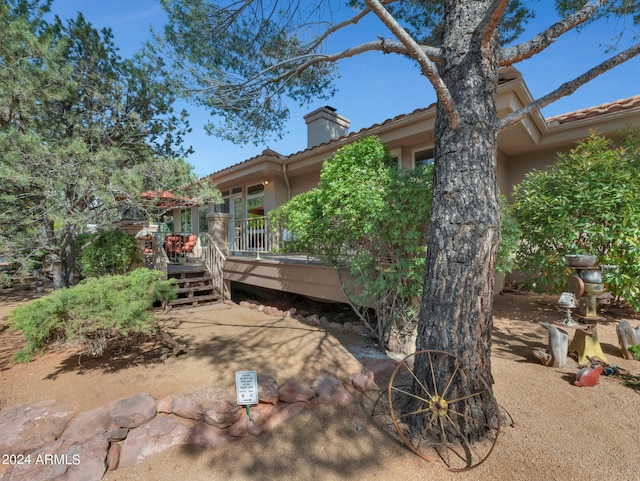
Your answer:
<point x="194" y="285"/>
<point x="193" y="301"/>
<point x="206" y="287"/>
<point x="190" y="280"/>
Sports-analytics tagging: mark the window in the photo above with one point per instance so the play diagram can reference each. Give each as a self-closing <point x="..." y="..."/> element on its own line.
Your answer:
<point x="203" y="223"/>
<point x="396" y="157"/>
<point x="185" y="221"/>
<point x="255" y="201"/>
<point x="225" y="206"/>
<point x="423" y="157"/>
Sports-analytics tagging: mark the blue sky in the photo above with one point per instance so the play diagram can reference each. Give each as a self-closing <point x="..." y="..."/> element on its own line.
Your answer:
<point x="373" y="87"/>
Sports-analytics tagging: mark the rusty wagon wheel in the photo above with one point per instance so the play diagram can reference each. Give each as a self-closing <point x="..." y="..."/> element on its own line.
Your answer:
<point x="431" y="419"/>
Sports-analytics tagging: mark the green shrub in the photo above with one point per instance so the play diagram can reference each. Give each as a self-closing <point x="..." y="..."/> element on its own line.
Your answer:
<point x="371" y="218"/>
<point x="107" y="253"/>
<point x="94" y="312"/>
<point x="586" y="203"/>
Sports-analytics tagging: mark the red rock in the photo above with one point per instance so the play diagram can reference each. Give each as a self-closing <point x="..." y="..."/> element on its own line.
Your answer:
<point x="267" y="389"/>
<point x="164" y="404"/>
<point x="67" y="460"/>
<point x="361" y="330"/>
<point x="113" y="457"/>
<point x="273" y="311"/>
<point x="346" y="327"/>
<point x="363" y="382"/>
<point x="331" y="390"/>
<point x="27" y="428"/>
<point x="293" y="391"/>
<point x="215" y="406"/>
<point x="88" y="423"/>
<point x="204" y="434"/>
<point x="134" y="411"/>
<point x="152" y="438"/>
<point x="281" y="413"/>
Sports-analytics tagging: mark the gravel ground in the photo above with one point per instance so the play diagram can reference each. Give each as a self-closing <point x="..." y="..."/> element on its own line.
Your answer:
<point x="554" y="430"/>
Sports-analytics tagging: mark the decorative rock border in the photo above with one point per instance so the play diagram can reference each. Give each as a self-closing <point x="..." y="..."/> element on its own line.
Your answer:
<point x="308" y="318"/>
<point x="44" y="441"/>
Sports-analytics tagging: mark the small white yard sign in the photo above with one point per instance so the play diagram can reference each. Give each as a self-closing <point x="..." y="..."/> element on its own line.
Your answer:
<point x="246" y="387"/>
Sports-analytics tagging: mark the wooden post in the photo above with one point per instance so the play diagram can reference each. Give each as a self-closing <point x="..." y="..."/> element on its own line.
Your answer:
<point x="626" y="338"/>
<point x="587" y="345"/>
<point x="556" y="353"/>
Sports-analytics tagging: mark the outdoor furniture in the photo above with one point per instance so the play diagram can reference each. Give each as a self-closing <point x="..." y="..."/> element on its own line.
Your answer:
<point x="173" y="246"/>
<point x="190" y="242"/>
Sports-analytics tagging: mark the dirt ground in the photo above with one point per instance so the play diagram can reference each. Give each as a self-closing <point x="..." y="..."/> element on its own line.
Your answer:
<point x="554" y="430"/>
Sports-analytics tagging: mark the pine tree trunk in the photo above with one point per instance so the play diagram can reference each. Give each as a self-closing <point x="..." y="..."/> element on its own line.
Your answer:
<point x="455" y="314"/>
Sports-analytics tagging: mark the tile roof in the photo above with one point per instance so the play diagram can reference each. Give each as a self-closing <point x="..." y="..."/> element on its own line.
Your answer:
<point x="590" y="112"/>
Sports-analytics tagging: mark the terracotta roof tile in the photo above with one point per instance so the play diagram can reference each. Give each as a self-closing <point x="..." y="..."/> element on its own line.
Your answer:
<point x="603" y="109"/>
<point x="589" y="112"/>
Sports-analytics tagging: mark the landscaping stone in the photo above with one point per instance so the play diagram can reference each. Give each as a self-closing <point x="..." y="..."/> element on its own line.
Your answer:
<point x="346" y="327"/>
<point x="66" y="460"/>
<point x="125" y="432"/>
<point x="313" y="319"/>
<point x="113" y="456"/>
<point x="273" y="311"/>
<point x="293" y="391"/>
<point x="215" y="406"/>
<point x="152" y="438"/>
<point x="204" y="434"/>
<point x="268" y="389"/>
<point x="28" y="428"/>
<point x="264" y="417"/>
<point x="90" y="423"/>
<point x="363" y="382"/>
<point x="164" y="404"/>
<point x="331" y="390"/>
<point x="281" y="413"/>
<point x="134" y="411"/>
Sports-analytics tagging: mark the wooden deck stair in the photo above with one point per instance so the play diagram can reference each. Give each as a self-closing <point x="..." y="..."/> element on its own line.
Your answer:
<point x="195" y="286"/>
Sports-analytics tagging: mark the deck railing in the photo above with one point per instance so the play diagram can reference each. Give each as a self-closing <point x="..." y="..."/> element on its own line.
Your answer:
<point x="253" y="235"/>
<point x="214" y="259"/>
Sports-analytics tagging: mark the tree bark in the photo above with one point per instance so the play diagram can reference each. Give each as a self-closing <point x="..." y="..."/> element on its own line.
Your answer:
<point x="455" y="314"/>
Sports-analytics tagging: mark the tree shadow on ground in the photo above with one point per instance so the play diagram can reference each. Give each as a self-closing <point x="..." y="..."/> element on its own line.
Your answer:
<point x="328" y="443"/>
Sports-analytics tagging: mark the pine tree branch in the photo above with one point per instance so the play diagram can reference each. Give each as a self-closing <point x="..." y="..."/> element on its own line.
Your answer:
<point x="568" y="88"/>
<point x="523" y="51"/>
<point x="490" y="25"/>
<point x="427" y="66"/>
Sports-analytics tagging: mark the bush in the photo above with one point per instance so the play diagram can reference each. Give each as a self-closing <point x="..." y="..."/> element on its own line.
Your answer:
<point x="368" y="218"/>
<point x="586" y="203"/>
<point x="371" y="218"/>
<point x="94" y="312"/>
<point x="107" y="253"/>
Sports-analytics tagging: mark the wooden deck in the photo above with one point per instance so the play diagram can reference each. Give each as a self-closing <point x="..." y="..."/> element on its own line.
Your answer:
<point x="295" y="274"/>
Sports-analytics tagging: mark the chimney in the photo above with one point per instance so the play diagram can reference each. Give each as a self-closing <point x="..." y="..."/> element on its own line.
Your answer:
<point x="323" y="125"/>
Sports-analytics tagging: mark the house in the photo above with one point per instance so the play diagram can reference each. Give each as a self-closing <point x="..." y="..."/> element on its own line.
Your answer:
<point x="255" y="186"/>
